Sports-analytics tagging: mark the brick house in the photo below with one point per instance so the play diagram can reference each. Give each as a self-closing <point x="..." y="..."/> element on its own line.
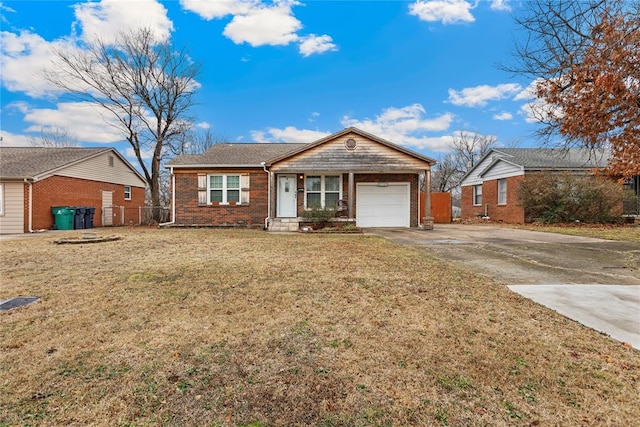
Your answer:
<point x="489" y="189"/>
<point x="35" y="179"/>
<point x="373" y="182"/>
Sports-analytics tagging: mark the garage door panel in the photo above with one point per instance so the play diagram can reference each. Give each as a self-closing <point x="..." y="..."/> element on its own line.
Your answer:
<point x="383" y="206"/>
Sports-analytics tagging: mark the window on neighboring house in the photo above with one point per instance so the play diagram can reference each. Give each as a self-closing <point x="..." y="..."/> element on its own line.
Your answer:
<point x="502" y="191"/>
<point x="477" y="195"/>
<point x="127" y="192"/>
<point x="1" y="199"/>
<point x="224" y="188"/>
<point x="110" y="161"/>
<point x="322" y="191"/>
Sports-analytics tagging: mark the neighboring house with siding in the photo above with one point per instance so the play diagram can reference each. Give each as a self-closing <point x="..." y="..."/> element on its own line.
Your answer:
<point x="374" y="181"/>
<point x="35" y="179"/>
<point x="489" y="189"/>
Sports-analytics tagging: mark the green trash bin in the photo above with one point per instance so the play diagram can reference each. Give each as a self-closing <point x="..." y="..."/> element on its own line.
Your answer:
<point x="63" y="216"/>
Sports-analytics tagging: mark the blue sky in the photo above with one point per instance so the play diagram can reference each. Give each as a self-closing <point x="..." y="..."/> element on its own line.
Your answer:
<point x="414" y="72"/>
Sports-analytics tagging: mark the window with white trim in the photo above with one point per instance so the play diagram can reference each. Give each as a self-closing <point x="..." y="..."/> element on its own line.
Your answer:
<point x="477" y="195"/>
<point x="1" y="199"/>
<point x="127" y="192"/>
<point x="322" y="191"/>
<point x="502" y="191"/>
<point x="223" y="189"/>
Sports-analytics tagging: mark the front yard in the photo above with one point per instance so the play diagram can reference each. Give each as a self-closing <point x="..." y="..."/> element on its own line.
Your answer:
<point x="237" y="328"/>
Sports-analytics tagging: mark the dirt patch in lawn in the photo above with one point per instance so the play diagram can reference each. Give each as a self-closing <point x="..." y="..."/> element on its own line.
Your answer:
<point x="214" y="327"/>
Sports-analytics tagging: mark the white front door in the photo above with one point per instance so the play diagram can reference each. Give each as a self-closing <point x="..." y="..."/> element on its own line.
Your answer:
<point x="287" y="196"/>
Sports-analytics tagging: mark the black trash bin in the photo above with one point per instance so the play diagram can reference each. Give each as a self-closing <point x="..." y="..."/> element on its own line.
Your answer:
<point x="88" y="216"/>
<point x="78" y="220"/>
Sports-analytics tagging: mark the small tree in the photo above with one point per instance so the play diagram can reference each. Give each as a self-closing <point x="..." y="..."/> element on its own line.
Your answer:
<point x="566" y="197"/>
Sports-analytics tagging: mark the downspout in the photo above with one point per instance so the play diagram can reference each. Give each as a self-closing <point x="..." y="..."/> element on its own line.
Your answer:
<point x="266" y="220"/>
<point x="30" y="219"/>
<point x="173" y="200"/>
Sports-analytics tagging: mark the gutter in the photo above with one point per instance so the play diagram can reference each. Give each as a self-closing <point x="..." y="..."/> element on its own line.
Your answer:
<point x="30" y="219"/>
<point x="266" y="220"/>
<point x="173" y="200"/>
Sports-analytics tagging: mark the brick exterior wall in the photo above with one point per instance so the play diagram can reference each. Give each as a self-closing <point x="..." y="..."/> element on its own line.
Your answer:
<point x="65" y="191"/>
<point x="190" y="212"/>
<point x="511" y="212"/>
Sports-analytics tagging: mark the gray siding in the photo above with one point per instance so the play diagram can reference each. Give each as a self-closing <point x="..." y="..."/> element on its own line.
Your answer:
<point x="502" y="170"/>
<point x="98" y="169"/>
<point x="12" y="219"/>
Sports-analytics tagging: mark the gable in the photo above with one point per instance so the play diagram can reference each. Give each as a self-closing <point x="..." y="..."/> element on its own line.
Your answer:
<point x="105" y="167"/>
<point x="369" y="155"/>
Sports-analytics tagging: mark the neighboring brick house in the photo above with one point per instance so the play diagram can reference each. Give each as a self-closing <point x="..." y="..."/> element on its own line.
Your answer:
<point x="270" y="185"/>
<point x="489" y="189"/>
<point x="35" y="179"/>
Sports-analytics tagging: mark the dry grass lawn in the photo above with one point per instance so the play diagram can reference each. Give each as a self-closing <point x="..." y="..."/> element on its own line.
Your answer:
<point x="245" y="328"/>
<point x="629" y="232"/>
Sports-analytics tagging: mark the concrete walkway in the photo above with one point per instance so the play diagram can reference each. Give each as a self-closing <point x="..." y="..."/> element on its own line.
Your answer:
<point x="593" y="281"/>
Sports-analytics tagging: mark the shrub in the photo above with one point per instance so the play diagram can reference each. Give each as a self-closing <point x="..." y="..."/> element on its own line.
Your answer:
<point x="566" y="197"/>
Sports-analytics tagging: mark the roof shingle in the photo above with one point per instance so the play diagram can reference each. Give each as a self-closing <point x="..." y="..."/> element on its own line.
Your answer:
<point x="28" y="162"/>
<point x="235" y="154"/>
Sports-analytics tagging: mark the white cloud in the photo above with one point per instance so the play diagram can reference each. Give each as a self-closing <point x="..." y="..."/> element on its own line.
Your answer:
<point x="12" y="140"/>
<point x="82" y="121"/>
<point x="264" y="26"/>
<point x="479" y="95"/>
<point x="259" y="24"/>
<point x="316" y="44"/>
<point x="502" y="5"/>
<point x="219" y="9"/>
<point x="445" y="11"/>
<point x="107" y="18"/>
<point x="527" y="93"/>
<point x="407" y="126"/>
<point x="24" y="57"/>
<point x="505" y="115"/>
<point x="288" y="134"/>
<point x="145" y="154"/>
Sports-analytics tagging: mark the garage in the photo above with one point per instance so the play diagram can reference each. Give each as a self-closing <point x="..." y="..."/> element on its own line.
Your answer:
<point x="383" y="204"/>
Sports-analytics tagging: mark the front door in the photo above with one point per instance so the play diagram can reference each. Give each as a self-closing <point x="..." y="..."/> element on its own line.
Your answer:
<point x="287" y="196"/>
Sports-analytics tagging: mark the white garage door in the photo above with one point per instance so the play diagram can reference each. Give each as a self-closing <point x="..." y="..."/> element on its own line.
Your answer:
<point x="383" y="206"/>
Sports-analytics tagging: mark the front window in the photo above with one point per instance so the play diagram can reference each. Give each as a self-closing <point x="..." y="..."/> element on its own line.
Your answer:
<point x="224" y="188"/>
<point x="322" y="191"/>
<point x="477" y="195"/>
<point x="502" y="191"/>
<point x="127" y="192"/>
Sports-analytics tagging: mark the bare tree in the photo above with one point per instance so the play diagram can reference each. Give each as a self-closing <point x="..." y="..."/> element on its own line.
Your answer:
<point x="146" y="85"/>
<point x="197" y="142"/>
<point x="467" y="149"/>
<point x="55" y="138"/>
<point x="583" y="58"/>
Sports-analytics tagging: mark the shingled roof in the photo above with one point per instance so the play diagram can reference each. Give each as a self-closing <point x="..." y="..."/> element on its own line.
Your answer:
<point x="30" y="162"/>
<point x="235" y="155"/>
<point x="550" y="158"/>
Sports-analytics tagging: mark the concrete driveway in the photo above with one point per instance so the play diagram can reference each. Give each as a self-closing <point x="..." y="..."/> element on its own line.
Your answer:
<point x="593" y="281"/>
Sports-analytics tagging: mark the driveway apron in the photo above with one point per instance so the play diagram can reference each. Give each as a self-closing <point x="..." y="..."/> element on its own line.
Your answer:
<point x="593" y="281"/>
